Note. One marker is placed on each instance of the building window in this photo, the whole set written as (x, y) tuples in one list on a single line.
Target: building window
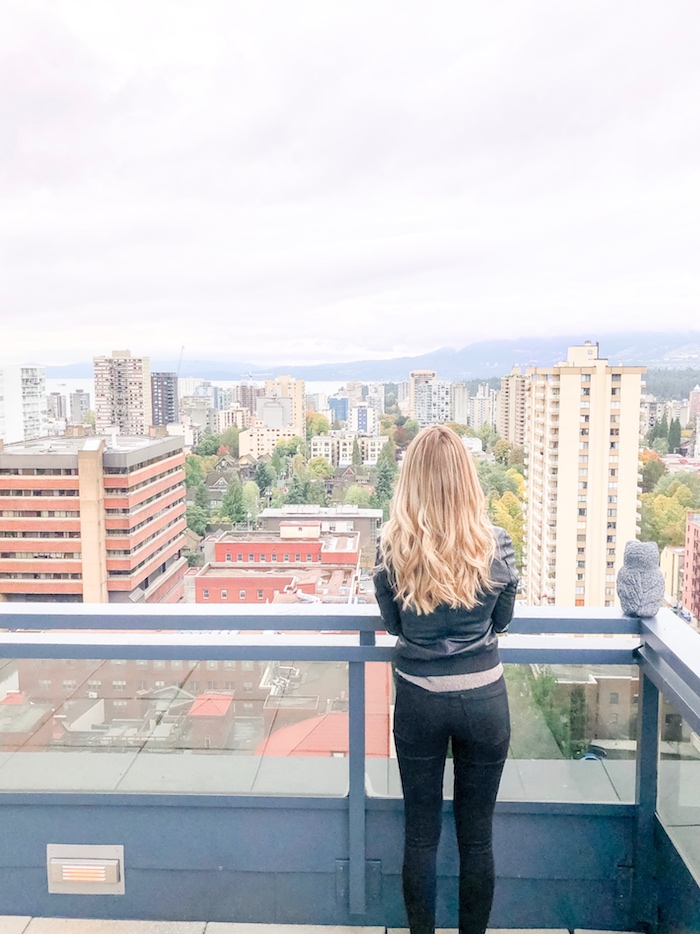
[(582, 512), (251, 557), (44, 683), (239, 557), (143, 685), (297, 557), (273, 556), (228, 557), (142, 663), (159, 684), (229, 685), (205, 595), (212, 666), (229, 663), (285, 558), (194, 686), (308, 557), (212, 685), (241, 594), (119, 685), (248, 687), (224, 594), (119, 703), (159, 664), (248, 666), (176, 664), (260, 595)]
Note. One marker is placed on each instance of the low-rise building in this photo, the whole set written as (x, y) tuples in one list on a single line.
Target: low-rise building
[(364, 520)]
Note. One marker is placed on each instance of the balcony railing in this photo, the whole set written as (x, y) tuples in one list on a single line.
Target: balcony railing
[(592, 830)]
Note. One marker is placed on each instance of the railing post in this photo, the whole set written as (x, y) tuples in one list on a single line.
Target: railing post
[(644, 896), (356, 793)]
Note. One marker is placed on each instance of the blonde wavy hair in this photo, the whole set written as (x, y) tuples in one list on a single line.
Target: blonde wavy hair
[(439, 543)]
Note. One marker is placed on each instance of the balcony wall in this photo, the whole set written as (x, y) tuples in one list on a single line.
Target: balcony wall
[(248, 837)]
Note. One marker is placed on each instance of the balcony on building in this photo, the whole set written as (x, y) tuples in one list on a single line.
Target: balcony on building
[(242, 757)]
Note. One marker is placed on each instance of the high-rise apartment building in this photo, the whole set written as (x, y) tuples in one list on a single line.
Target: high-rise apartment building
[(365, 419), (86, 521), (691, 564), (693, 404), (582, 452), (56, 405), (123, 393), (79, 406), (164, 398), (460, 403), (512, 404), (483, 407), (430, 398), (284, 387), (417, 380), (23, 412)]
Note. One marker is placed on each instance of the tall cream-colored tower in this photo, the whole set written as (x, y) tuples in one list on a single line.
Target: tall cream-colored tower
[(285, 387), (512, 403), (582, 471)]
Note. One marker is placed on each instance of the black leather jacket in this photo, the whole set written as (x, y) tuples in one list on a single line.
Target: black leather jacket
[(452, 641)]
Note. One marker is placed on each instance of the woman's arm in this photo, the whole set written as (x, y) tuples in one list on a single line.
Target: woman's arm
[(385, 599), (503, 610)]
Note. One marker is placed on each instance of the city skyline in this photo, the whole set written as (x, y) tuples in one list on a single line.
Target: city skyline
[(444, 176)]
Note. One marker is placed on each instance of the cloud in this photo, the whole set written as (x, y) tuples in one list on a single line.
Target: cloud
[(343, 180)]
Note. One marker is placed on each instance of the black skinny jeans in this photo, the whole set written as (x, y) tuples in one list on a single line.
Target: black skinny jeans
[(478, 723)]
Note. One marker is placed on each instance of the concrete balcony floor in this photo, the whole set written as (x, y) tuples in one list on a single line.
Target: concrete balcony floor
[(25, 925)]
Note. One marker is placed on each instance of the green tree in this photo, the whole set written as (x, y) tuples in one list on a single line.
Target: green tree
[(660, 446), (89, 418), (201, 497), (652, 471), (209, 444), (316, 424), (387, 455), (357, 495), (232, 507), (507, 512), (264, 476), (517, 458), (384, 485), (494, 479), (251, 500), (674, 435), (193, 471), (489, 436), (229, 439), (320, 468), (502, 451), (356, 453), (197, 519)]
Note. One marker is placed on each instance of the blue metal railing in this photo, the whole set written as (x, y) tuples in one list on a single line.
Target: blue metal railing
[(667, 652)]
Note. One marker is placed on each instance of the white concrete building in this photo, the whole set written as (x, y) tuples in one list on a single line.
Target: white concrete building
[(23, 409), (460, 403), (364, 419), (483, 407), (582, 474), (337, 447)]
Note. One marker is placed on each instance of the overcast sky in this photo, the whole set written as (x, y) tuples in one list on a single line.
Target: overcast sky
[(314, 181)]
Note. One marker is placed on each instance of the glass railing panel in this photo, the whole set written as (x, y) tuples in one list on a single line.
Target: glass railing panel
[(679, 784), (573, 734), (209, 727)]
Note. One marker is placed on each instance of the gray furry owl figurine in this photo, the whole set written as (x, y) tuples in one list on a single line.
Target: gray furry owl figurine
[(640, 583)]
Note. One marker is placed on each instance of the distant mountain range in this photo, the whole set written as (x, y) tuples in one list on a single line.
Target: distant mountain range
[(481, 359)]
